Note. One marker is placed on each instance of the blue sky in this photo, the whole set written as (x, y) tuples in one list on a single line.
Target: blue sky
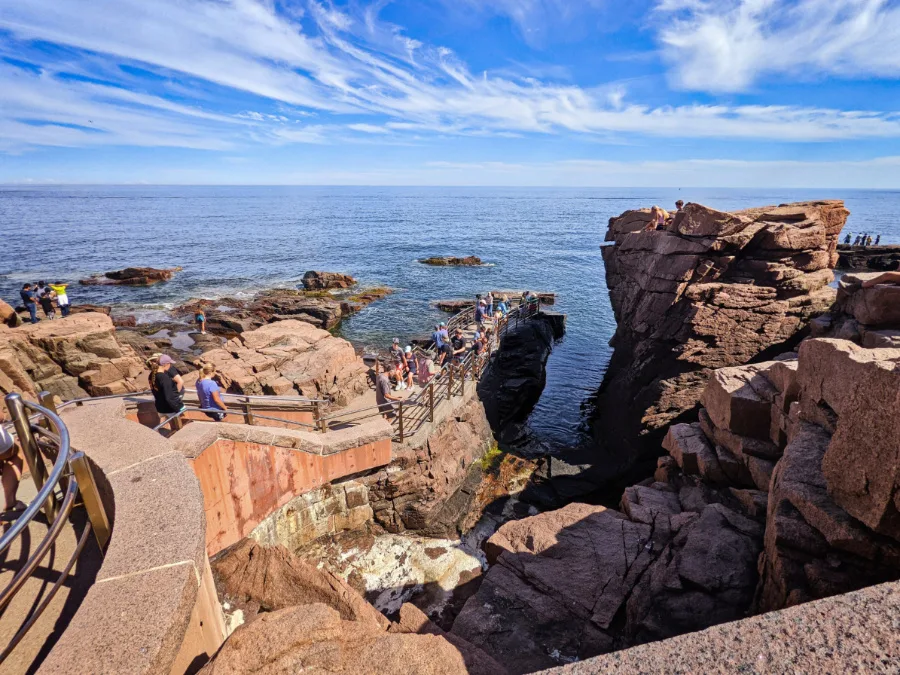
[(768, 93)]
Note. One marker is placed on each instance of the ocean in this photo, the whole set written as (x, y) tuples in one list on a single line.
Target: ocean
[(238, 240)]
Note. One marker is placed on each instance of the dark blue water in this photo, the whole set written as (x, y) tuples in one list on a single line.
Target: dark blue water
[(237, 240)]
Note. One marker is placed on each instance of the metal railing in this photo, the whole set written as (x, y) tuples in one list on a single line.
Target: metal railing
[(42, 441), (409, 415)]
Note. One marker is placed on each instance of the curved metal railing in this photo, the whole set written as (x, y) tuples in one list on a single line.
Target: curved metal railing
[(42, 441)]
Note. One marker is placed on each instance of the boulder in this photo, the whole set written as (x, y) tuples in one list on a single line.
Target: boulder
[(132, 276), (321, 281), (272, 578), (715, 290), (7, 314), (314, 638)]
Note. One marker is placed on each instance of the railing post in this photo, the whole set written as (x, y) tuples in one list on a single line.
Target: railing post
[(400, 420), (431, 401), (30, 449), (450, 380), (321, 425), (90, 496), (248, 414), (176, 423), (48, 401)]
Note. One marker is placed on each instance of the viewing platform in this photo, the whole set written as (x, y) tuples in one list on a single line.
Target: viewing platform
[(138, 504)]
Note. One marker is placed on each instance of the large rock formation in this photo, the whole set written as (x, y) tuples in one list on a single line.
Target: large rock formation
[(713, 290), (584, 580), (289, 358), (71, 358), (312, 620), (868, 257), (429, 487)]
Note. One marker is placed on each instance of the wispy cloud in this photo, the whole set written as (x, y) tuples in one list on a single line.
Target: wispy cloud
[(727, 45), (336, 64)]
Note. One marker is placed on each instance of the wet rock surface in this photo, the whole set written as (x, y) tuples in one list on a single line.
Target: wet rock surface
[(713, 290), (863, 258), (132, 276)]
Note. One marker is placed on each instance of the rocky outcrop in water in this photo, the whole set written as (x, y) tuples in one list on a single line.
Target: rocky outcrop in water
[(712, 290), (232, 316), (449, 261), (132, 276), (323, 281), (882, 258), (71, 358)]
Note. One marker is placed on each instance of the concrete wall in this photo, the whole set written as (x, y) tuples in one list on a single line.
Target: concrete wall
[(248, 473), (153, 607)]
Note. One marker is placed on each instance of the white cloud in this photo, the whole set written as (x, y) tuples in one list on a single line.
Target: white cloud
[(334, 63), (728, 45)]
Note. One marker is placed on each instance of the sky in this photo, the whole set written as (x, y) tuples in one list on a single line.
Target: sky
[(608, 93)]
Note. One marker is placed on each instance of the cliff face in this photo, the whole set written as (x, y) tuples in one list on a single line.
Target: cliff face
[(713, 290)]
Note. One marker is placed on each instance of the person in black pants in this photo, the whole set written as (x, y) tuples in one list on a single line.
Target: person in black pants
[(29, 297)]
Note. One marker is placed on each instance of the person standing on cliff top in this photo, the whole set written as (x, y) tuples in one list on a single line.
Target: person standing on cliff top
[(46, 297), (878, 240)]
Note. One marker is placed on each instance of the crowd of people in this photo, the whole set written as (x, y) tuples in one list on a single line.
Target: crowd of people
[(660, 218), (50, 297), (408, 367), (863, 240)]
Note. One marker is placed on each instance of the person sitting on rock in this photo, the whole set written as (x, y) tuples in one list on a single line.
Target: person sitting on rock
[(883, 278)]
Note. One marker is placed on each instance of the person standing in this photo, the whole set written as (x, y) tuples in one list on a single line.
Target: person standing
[(29, 297), (399, 360), (489, 300), (868, 240), (438, 337), (208, 393), (46, 299), (166, 384), (848, 238), (878, 240), (62, 298), (383, 395), (11, 471), (200, 318)]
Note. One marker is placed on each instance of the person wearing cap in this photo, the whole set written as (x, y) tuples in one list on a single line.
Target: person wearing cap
[(411, 366), (399, 360), (166, 384), (11, 467)]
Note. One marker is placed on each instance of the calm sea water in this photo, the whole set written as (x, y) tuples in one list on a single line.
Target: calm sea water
[(237, 240)]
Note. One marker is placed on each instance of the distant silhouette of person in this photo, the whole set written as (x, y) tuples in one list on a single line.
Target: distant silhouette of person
[(878, 240), (847, 238), (869, 240), (856, 241), (679, 206), (29, 298)]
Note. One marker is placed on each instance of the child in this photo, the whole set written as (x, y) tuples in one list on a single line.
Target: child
[(200, 318)]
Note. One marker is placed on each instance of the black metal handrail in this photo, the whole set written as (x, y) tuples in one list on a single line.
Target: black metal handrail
[(71, 472)]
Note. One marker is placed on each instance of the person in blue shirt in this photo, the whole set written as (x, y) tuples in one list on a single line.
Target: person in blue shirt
[(437, 336), (208, 393), (445, 334), (29, 297)]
